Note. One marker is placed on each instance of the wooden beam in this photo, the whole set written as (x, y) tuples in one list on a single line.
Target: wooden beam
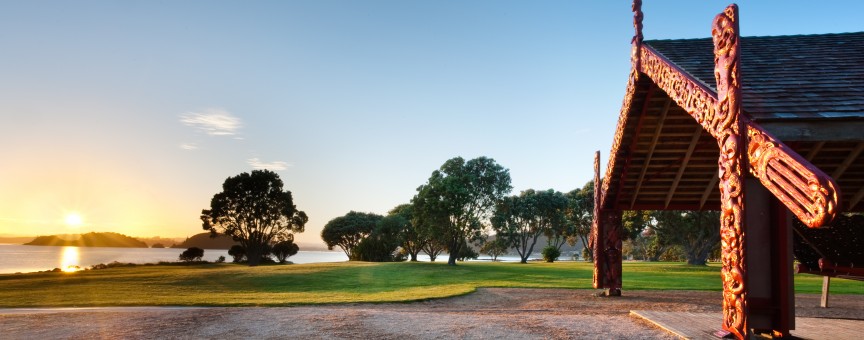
[(693, 141), (708, 190), (633, 143), (651, 150), (815, 150), (857, 198), (817, 130), (848, 161)]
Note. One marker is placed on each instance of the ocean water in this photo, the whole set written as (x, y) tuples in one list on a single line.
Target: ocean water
[(19, 258), (22, 259)]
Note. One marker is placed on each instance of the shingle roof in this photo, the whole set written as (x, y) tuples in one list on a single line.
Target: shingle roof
[(786, 77)]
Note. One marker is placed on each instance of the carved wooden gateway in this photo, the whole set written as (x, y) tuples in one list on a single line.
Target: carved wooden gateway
[(682, 145)]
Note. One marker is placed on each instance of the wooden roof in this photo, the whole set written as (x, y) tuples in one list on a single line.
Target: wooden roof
[(806, 90)]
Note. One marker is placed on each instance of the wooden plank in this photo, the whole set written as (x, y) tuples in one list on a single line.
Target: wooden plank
[(708, 190), (857, 198), (689, 325), (651, 150), (815, 151), (633, 144), (693, 141), (816, 130), (848, 161)]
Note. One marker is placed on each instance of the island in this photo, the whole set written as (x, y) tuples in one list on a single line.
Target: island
[(92, 239)]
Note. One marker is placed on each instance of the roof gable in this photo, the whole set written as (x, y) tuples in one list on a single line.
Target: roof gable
[(785, 77)]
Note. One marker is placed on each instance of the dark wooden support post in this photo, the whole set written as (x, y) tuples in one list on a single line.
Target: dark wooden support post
[(768, 239), (605, 240), (826, 284)]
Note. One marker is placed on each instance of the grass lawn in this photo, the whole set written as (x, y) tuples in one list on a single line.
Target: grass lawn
[(276, 285)]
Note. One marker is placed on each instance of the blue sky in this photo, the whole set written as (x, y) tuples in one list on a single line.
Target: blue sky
[(133, 113)]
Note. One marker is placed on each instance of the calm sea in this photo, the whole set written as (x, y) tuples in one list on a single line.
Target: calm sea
[(23, 259), (18, 258)]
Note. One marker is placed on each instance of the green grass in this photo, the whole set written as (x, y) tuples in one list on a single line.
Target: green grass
[(237, 285)]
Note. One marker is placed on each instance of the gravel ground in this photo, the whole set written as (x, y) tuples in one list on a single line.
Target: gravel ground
[(491, 313)]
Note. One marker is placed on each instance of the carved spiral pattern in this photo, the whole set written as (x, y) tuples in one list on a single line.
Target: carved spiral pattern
[(619, 133), (726, 125), (807, 191)]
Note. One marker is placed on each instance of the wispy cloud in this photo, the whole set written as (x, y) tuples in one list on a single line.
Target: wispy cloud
[(259, 165), (189, 146), (214, 122)]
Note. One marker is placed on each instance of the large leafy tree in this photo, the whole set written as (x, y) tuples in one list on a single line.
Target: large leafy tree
[(522, 219), (255, 211), (411, 237), (580, 214), (458, 198), (697, 233), (347, 231)]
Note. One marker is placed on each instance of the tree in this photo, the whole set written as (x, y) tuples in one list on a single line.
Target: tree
[(382, 243), (347, 231), (254, 210), (412, 240), (285, 249), (458, 198), (550, 253), (238, 253), (192, 254), (495, 248), (697, 233), (580, 214), (433, 248), (522, 219), (157, 245)]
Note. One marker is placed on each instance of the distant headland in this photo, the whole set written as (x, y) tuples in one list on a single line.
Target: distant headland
[(93, 239)]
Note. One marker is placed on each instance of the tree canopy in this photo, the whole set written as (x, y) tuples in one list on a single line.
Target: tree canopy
[(254, 210), (347, 231), (696, 232), (458, 198), (412, 238), (521, 219)]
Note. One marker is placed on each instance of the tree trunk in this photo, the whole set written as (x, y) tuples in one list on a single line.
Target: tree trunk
[(253, 255), (455, 246), (413, 256)]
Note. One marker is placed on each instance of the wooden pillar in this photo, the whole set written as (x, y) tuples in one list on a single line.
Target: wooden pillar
[(727, 127), (605, 240), (768, 239), (826, 283)]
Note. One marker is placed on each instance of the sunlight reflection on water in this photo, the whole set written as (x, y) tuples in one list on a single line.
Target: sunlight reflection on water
[(70, 259)]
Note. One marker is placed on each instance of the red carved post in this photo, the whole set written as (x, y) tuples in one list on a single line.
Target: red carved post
[(595, 238), (636, 53), (728, 128), (605, 240)]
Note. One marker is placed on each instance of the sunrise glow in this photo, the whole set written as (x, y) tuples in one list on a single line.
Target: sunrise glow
[(70, 259), (73, 220)]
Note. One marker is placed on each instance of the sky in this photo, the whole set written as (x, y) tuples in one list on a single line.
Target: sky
[(127, 116)]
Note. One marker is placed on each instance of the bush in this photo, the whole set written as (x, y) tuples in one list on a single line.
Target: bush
[(238, 253), (192, 254), (466, 252), (550, 253), (221, 259), (377, 248), (285, 249)]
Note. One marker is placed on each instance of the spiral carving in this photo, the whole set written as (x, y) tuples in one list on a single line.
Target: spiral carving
[(808, 192)]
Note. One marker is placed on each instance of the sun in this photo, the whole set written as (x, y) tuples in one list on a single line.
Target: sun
[(74, 220)]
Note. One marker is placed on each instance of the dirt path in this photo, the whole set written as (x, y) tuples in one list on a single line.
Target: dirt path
[(492, 313)]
